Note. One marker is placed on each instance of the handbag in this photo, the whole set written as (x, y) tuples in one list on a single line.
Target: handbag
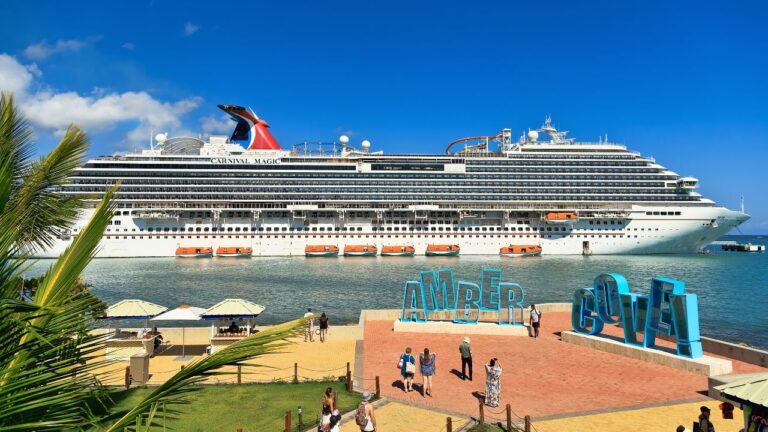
[(400, 363), (410, 368)]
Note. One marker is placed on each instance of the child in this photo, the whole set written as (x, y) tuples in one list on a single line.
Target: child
[(335, 420)]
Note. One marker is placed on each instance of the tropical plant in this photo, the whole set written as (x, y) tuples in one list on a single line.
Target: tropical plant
[(50, 357)]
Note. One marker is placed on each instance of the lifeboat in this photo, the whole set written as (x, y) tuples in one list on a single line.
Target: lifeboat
[(194, 252), (234, 252), (360, 250), (321, 251), (520, 250), (405, 250), (442, 250), (561, 218)]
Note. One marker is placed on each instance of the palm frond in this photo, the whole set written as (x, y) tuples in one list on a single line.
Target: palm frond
[(171, 391), (48, 357), (15, 145), (47, 212)]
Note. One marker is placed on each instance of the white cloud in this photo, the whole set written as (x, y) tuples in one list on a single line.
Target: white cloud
[(190, 29), (16, 77), (43, 49), (130, 46), (216, 125), (100, 111)]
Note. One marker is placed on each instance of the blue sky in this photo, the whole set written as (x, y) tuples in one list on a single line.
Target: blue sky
[(684, 82)]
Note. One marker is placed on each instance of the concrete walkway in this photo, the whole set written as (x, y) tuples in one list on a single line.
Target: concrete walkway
[(662, 418), (395, 417)]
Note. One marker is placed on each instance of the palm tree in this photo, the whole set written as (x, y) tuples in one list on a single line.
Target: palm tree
[(49, 357)]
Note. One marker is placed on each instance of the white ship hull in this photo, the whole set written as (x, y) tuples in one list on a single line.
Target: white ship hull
[(639, 234)]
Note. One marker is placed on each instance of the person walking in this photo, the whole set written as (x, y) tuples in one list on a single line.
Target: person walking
[(704, 424), (323, 320), (492, 383), (309, 326), (365, 417), (407, 369), (328, 406), (535, 320), (427, 366), (466, 358)]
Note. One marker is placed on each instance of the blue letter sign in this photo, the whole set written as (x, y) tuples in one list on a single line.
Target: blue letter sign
[(667, 310), (435, 291)]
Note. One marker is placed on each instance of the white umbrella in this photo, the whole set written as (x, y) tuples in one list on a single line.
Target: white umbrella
[(181, 313), (232, 309), (134, 309)]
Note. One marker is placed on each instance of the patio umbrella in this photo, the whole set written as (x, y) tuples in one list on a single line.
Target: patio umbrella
[(133, 309), (233, 309), (751, 390), (181, 313), (229, 308)]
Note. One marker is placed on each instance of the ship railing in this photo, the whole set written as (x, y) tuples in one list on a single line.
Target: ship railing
[(403, 206)]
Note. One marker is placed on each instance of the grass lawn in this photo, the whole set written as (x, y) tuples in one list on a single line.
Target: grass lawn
[(252, 407), (489, 428)]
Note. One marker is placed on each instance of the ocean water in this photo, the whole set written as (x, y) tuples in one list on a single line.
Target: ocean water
[(732, 286)]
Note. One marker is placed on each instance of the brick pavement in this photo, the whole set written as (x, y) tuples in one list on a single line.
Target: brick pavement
[(542, 377)]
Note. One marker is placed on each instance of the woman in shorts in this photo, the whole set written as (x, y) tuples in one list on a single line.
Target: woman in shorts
[(407, 371)]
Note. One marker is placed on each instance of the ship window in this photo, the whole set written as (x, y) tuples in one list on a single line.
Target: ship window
[(229, 229), (677, 213), (648, 213), (236, 229), (205, 229)]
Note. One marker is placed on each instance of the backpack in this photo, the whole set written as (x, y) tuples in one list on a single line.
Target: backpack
[(360, 417)]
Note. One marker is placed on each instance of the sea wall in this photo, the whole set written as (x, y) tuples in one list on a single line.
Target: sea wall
[(730, 350)]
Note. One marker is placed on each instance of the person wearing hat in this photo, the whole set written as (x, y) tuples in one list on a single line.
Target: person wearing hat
[(704, 425), (466, 358), (365, 417)]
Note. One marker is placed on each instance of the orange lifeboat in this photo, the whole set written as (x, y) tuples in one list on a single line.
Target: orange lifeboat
[(321, 251), (520, 250), (234, 252), (360, 250), (442, 250), (194, 252), (405, 250), (561, 217)]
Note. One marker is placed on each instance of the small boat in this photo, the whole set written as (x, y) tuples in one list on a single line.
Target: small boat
[(442, 250), (360, 250), (194, 252), (234, 252), (561, 218), (405, 250), (520, 250), (321, 251)]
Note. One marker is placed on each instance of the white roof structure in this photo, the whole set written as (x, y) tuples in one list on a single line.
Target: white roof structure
[(229, 308), (181, 313), (134, 309), (753, 390)]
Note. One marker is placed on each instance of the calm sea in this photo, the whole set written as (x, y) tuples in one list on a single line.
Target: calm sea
[(732, 286)]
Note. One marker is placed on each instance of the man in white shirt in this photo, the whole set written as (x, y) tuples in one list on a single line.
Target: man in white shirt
[(535, 320), (309, 328)]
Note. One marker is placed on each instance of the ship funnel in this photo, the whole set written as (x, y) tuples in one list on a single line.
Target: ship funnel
[(250, 128)]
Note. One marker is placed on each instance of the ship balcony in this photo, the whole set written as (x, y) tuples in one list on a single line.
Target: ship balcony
[(688, 183)]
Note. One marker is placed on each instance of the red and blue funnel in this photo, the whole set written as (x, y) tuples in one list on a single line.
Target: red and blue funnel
[(250, 128)]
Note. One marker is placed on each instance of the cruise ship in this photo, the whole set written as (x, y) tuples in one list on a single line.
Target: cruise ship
[(245, 195)]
